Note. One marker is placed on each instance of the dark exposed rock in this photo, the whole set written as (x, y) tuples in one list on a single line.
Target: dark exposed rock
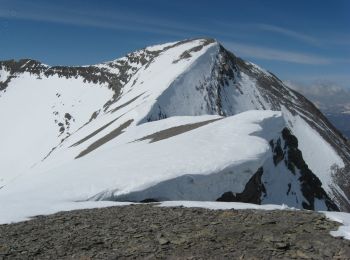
[(67, 116), (148, 232), (187, 54), (150, 200), (61, 129), (311, 186), (278, 154), (228, 196), (252, 192), (88, 73)]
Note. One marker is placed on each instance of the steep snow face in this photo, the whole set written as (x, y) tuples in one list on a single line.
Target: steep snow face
[(186, 95), (287, 178), (320, 162), (218, 83), (154, 80), (204, 88)]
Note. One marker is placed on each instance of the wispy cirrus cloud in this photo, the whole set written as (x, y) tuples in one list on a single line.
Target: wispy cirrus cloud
[(122, 20), (333, 38), (117, 21), (253, 51), (328, 38), (290, 33)]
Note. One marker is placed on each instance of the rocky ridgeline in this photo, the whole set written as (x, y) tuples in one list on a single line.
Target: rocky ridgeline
[(149, 232)]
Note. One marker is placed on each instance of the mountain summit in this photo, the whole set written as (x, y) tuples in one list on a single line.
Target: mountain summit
[(186, 120)]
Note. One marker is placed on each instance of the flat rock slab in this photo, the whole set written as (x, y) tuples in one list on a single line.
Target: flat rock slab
[(150, 232)]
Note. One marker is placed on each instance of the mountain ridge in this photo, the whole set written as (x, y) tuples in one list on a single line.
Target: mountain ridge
[(103, 109)]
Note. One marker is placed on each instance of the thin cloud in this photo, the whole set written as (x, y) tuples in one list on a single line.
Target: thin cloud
[(274, 54), (328, 38), (342, 79), (125, 21), (84, 20), (290, 33), (116, 20), (338, 39)]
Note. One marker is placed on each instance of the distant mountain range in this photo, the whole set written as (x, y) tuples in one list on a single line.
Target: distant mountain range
[(332, 100), (185, 120), (341, 121)]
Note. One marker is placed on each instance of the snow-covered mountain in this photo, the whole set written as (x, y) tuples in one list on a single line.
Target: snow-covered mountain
[(179, 121)]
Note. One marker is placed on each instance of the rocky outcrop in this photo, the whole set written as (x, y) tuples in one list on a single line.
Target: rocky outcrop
[(252, 193), (311, 186), (285, 150)]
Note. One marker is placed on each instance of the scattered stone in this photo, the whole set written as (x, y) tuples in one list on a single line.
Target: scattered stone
[(145, 231), (163, 241), (282, 245)]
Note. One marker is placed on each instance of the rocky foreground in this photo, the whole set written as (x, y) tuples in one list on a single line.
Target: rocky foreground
[(149, 232)]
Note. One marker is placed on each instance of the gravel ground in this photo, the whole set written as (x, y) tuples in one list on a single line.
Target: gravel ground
[(149, 232)]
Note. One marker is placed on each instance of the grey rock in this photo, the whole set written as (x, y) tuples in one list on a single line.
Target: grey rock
[(149, 232)]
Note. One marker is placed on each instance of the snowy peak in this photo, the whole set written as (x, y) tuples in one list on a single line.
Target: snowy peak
[(182, 120), (67, 104)]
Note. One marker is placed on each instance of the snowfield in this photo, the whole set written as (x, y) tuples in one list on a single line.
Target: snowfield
[(344, 219), (31, 112), (228, 152), (178, 121)]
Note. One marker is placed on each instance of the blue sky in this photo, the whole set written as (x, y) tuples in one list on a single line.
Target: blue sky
[(298, 40)]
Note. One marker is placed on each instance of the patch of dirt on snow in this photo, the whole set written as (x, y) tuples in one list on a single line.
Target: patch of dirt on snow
[(108, 137), (173, 131)]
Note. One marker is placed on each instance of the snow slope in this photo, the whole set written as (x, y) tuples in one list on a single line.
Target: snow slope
[(320, 162), (31, 114), (131, 169), (179, 121)]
